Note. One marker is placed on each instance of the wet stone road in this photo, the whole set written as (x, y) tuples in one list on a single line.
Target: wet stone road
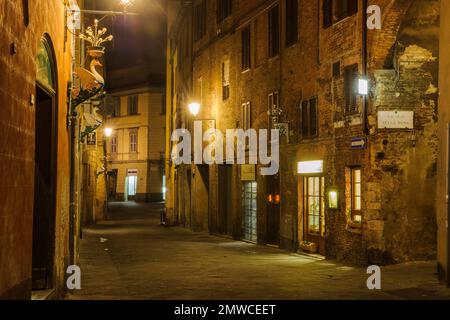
[(130, 256)]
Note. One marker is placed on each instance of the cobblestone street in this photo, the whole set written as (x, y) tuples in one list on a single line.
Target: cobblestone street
[(131, 256)]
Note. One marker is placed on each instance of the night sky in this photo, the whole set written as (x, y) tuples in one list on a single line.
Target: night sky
[(137, 54)]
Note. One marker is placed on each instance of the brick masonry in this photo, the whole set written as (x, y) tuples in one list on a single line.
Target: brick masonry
[(17, 128), (399, 166)]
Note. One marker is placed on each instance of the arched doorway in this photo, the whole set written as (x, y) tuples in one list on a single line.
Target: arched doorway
[(45, 168)]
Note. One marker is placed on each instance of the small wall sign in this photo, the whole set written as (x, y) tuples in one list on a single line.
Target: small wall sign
[(395, 119), (92, 139), (359, 143)]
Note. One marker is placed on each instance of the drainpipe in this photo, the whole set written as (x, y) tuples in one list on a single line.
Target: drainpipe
[(364, 65), (73, 143)]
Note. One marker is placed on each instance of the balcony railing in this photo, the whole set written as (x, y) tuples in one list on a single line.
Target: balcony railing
[(130, 156)]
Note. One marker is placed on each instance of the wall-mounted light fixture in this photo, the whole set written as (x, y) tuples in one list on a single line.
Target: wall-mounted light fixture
[(363, 86), (194, 108), (108, 132), (333, 199)]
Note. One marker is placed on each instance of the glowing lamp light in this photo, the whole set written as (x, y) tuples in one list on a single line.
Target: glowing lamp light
[(194, 108), (126, 3), (363, 87), (108, 132), (277, 199), (333, 199), (310, 167)]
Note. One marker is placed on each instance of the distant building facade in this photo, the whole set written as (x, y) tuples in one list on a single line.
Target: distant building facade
[(136, 148), (357, 172)]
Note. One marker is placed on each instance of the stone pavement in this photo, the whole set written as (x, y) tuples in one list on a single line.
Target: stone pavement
[(131, 256)]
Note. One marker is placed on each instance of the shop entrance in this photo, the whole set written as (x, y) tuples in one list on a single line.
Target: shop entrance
[(313, 213)]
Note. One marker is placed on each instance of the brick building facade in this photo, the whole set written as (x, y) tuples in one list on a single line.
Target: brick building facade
[(35, 62), (295, 65), (135, 150)]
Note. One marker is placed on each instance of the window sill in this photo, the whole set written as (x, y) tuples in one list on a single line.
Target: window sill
[(292, 45), (337, 21), (354, 227)]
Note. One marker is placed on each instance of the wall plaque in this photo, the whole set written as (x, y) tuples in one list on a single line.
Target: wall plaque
[(395, 119)]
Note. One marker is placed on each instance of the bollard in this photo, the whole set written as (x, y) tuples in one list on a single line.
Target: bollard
[(163, 217)]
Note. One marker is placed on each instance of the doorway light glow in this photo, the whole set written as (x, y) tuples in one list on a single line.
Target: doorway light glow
[(310, 167)]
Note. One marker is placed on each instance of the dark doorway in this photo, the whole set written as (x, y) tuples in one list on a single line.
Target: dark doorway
[(201, 202), (187, 199), (225, 200), (273, 210), (112, 184), (44, 190)]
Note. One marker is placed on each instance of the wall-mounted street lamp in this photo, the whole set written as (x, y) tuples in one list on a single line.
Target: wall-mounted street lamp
[(125, 4), (194, 108), (363, 86), (333, 199), (108, 132)]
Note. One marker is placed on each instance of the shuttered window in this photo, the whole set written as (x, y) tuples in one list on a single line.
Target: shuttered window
[(200, 20), (291, 22), (226, 79), (224, 9), (246, 48), (327, 13), (336, 10), (309, 118), (350, 87), (274, 32)]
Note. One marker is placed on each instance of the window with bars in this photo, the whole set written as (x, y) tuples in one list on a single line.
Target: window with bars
[(133, 105), (200, 20), (133, 141), (246, 48), (226, 79), (309, 119), (336, 10), (224, 9), (274, 32), (291, 22), (351, 75)]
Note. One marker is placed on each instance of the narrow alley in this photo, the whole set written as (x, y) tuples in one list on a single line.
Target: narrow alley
[(130, 256)]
